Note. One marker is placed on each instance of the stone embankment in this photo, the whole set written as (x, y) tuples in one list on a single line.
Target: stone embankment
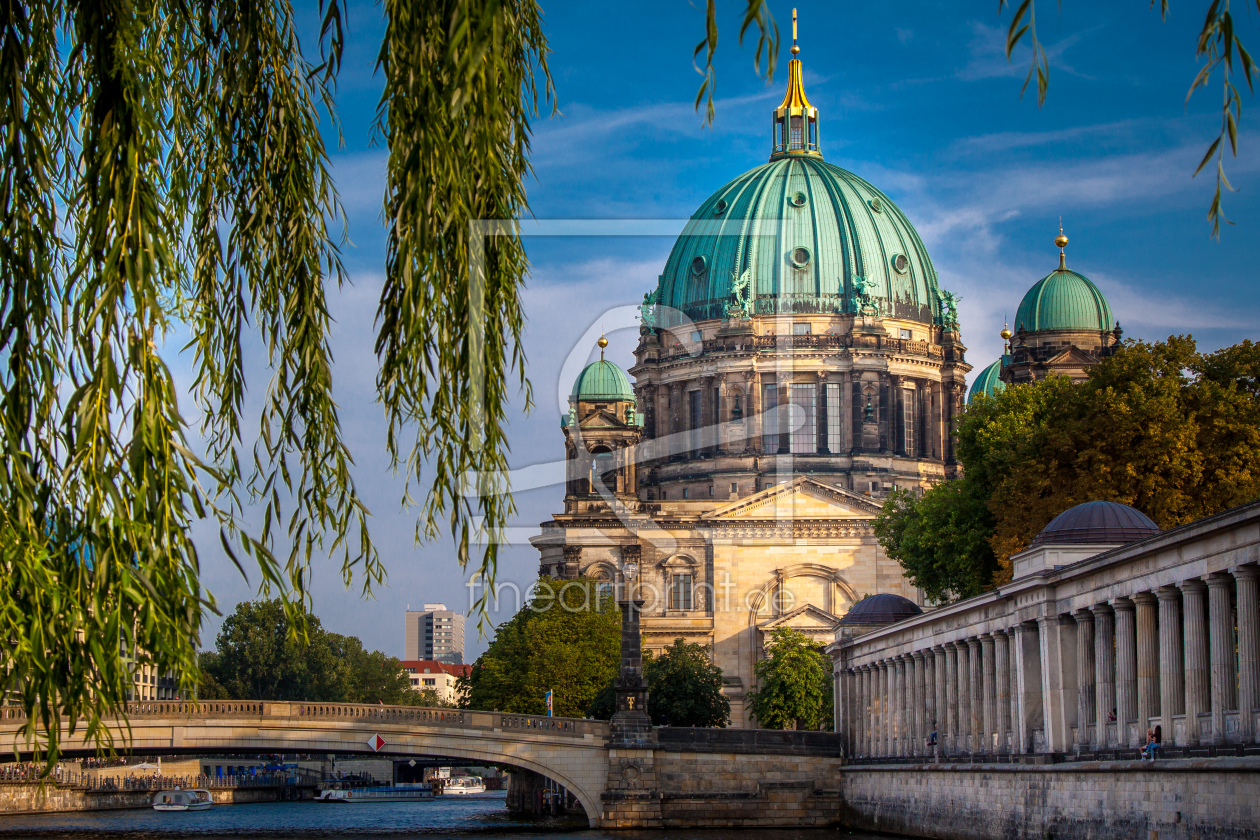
[(1180, 799), (52, 797)]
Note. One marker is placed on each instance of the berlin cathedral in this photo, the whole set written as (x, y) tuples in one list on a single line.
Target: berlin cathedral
[(797, 361)]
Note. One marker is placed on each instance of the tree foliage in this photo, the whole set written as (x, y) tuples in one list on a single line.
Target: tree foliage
[(794, 688), (566, 639), (164, 173), (1162, 427), (257, 656), (684, 688)]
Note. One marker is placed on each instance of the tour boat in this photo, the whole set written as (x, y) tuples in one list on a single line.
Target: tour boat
[(367, 795), (463, 785), (193, 799)]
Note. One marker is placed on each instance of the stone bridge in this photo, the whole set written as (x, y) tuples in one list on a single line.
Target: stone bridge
[(669, 777)]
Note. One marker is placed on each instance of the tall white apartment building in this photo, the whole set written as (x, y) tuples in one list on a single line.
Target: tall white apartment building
[(435, 633)]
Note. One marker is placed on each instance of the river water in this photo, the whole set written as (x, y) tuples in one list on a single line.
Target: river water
[(482, 817)]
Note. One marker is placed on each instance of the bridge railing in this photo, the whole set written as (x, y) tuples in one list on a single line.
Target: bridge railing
[(208, 710)]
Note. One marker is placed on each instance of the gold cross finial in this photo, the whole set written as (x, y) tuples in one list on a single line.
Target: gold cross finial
[(795, 49)]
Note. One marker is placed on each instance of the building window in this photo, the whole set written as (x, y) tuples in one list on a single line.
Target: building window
[(770, 420), (431, 682), (833, 418), (685, 492), (800, 329), (603, 591), (907, 402), (734, 488), (804, 419), (905, 335), (680, 592)]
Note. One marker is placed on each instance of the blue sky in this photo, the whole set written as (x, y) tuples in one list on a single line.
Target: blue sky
[(916, 97)]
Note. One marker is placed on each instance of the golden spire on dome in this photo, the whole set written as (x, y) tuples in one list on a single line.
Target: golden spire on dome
[(795, 120), (603, 342), (1061, 241), (1006, 331)]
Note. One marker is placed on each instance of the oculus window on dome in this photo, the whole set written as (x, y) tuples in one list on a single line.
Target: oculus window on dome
[(800, 256), (720, 207), (900, 263), (876, 205), (798, 199), (699, 265)]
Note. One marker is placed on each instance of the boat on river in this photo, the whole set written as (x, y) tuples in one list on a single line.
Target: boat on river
[(463, 786), (344, 794), (192, 799)]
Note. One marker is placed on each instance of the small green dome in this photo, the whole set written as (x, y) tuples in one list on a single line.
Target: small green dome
[(808, 237), (988, 382), (602, 380), (1064, 300)]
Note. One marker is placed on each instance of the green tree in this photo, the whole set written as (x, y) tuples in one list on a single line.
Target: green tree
[(259, 657), (793, 684), (1161, 427), (565, 639), (209, 688), (165, 172), (685, 687)]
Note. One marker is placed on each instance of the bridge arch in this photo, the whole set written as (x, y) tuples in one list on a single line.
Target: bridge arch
[(571, 751)]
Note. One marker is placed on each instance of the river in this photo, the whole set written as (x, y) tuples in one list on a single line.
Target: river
[(482, 817)]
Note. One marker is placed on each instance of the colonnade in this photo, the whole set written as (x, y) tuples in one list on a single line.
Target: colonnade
[(1184, 657)]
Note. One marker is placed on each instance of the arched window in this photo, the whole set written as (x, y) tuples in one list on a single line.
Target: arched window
[(604, 469)]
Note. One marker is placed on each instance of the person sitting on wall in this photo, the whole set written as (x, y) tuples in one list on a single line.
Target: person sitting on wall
[(1154, 743)]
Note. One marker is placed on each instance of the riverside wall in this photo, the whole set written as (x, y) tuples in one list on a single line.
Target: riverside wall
[(32, 798), (1191, 799)]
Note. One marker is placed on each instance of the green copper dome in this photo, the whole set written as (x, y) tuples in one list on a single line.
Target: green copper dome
[(1064, 300), (987, 382), (602, 381), (807, 237)]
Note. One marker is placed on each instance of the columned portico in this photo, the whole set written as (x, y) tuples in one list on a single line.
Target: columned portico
[(1084, 656)]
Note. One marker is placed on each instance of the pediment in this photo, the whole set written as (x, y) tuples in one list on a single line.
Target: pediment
[(602, 419), (1071, 356), (806, 618), (801, 498)]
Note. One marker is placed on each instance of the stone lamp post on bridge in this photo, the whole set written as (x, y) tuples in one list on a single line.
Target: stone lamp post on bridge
[(631, 725)]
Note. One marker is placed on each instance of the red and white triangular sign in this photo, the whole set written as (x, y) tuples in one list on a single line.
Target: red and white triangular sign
[(376, 742)]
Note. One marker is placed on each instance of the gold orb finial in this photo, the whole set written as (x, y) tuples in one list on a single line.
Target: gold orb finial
[(1006, 332), (1061, 241), (603, 342)]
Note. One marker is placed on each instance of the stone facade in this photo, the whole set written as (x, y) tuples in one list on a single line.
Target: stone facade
[(797, 554), (1173, 800)]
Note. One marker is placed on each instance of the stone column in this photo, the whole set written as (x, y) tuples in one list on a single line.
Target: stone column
[(977, 695), (1104, 671), (1195, 638), (1172, 682), (1221, 619), (918, 734), (1085, 675), (1247, 579), (965, 728), (890, 721), (1002, 687), (940, 710), (1011, 639), (1031, 714), (1057, 635), (988, 721), (1147, 662), (1126, 669), (861, 714), (899, 706), (951, 699)]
